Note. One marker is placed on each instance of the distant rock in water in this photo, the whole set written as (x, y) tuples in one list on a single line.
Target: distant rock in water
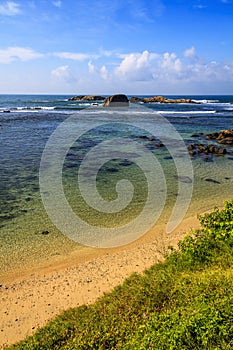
[(121, 100), (116, 101), (160, 99), (136, 99), (87, 98)]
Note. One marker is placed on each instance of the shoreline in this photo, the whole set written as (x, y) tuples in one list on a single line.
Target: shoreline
[(31, 296), (32, 299)]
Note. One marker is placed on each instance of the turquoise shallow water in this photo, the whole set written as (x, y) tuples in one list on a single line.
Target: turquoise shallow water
[(28, 236)]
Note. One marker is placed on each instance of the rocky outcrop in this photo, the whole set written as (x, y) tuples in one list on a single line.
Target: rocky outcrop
[(124, 101), (136, 99), (87, 98), (159, 99), (76, 98), (206, 149), (223, 137), (116, 101)]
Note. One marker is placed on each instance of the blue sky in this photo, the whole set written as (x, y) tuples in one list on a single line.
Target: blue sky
[(126, 46)]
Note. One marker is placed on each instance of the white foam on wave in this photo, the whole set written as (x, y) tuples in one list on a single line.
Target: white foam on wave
[(187, 112), (26, 109), (35, 108), (206, 101), (215, 103), (119, 111)]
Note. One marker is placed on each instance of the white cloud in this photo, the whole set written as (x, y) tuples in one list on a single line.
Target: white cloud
[(212, 71), (72, 56), (190, 52), (200, 7), (147, 66), (104, 72), (63, 73), (57, 3), (136, 66), (169, 68), (170, 63), (18, 53), (10, 8), (91, 67), (106, 53), (143, 71)]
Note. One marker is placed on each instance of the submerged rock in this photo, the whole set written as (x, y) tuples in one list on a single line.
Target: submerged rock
[(212, 180), (159, 144), (206, 149), (185, 179), (45, 232), (197, 135)]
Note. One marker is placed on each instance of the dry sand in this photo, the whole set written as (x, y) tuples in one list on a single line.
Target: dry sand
[(31, 298)]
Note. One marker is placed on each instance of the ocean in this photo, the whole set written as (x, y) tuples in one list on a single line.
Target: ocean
[(76, 174)]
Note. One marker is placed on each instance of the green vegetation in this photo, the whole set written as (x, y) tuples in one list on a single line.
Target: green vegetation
[(184, 303)]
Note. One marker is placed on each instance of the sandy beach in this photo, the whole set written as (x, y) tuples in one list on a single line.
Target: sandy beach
[(31, 298)]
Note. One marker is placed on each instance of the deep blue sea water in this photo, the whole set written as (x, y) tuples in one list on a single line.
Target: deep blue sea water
[(28, 121)]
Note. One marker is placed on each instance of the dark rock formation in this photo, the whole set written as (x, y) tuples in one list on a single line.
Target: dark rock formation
[(123, 99), (212, 136), (226, 141), (45, 232), (116, 101), (159, 144), (135, 99), (223, 137), (197, 135), (76, 98), (87, 98), (159, 99), (206, 149)]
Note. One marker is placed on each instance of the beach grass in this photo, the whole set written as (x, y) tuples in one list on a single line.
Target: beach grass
[(185, 302)]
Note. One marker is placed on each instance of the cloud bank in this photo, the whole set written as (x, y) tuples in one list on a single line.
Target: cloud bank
[(110, 69)]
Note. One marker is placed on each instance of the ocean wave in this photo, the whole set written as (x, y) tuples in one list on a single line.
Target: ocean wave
[(215, 103), (129, 111), (188, 112), (30, 108), (228, 109), (33, 108), (206, 101)]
